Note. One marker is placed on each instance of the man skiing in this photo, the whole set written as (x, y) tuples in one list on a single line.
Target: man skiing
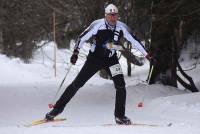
[(106, 34)]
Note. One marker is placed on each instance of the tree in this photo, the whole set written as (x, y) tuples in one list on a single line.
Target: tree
[(172, 24), (23, 25)]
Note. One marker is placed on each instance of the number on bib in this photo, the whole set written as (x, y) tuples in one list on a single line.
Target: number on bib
[(115, 70)]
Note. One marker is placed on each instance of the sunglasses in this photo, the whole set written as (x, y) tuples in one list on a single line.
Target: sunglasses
[(112, 14)]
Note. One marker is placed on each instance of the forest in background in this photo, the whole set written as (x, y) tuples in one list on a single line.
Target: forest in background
[(164, 25)]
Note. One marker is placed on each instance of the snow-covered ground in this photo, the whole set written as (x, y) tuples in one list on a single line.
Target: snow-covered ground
[(27, 89)]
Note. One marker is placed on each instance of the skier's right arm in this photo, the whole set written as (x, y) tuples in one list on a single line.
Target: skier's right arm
[(86, 35)]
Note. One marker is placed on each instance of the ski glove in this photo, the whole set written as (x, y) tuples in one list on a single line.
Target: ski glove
[(74, 57), (151, 59)]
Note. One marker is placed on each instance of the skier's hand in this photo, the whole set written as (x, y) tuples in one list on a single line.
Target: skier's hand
[(151, 59), (74, 57)]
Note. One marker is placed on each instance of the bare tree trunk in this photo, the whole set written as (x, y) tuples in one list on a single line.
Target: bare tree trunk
[(161, 49), (128, 68), (128, 62), (1, 40), (190, 86)]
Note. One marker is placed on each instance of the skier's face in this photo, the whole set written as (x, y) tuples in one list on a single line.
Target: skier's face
[(112, 18)]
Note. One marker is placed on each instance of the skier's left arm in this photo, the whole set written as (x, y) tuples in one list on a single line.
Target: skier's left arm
[(134, 42)]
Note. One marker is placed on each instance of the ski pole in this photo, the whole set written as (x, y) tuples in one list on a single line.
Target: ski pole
[(51, 105), (150, 73)]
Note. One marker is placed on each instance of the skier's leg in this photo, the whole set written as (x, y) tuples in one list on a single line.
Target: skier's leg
[(87, 71), (120, 101)]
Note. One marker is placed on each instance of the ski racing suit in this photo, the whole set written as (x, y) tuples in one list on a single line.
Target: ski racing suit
[(102, 55)]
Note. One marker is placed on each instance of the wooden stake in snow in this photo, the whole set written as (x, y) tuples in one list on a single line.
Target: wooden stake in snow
[(54, 38)]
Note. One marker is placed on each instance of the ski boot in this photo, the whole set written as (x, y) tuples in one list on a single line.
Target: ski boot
[(123, 120), (52, 114)]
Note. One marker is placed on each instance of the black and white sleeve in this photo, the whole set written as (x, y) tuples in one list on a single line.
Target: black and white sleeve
[(86, 34), (135, 43)]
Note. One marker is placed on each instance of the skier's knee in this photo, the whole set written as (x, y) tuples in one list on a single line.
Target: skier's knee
[(77, 85)]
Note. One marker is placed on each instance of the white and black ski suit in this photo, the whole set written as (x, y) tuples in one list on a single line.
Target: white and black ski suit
[(102, 56)]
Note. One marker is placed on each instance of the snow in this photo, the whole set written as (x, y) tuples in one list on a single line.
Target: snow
[(27, 89)]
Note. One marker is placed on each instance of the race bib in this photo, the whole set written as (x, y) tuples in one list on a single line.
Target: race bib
[(115, 70)]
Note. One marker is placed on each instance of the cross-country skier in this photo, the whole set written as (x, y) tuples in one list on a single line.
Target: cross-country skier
[(106, 34)]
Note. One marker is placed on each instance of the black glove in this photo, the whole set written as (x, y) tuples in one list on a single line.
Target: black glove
[(151, 59), (74, 57)]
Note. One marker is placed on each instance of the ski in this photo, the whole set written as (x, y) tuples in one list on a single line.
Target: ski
[(118, 125), (140, 124), (43, 121)]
